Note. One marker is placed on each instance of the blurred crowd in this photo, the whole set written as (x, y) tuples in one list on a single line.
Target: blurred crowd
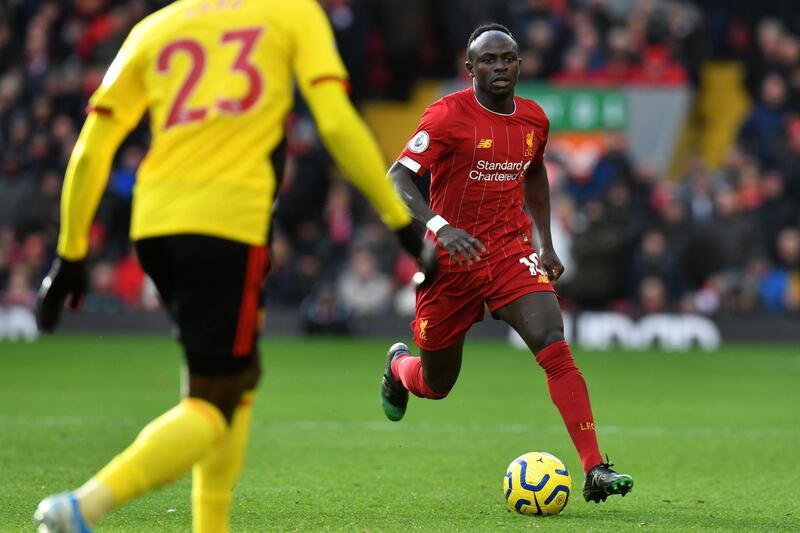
[(711, 242)]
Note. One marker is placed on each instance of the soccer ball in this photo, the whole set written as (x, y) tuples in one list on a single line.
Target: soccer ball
[(537, 483)]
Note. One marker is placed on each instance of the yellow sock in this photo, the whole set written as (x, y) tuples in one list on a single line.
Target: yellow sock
[(216, 474), (166, 448)]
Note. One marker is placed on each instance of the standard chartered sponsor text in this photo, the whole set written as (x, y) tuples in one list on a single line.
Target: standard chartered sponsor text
[(513, 169)]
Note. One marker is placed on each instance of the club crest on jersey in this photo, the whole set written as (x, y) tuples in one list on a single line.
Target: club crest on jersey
[(419, 142), (423, 326), (529, 144)]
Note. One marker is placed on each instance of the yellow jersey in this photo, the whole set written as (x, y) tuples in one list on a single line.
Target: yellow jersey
[(216, 77)]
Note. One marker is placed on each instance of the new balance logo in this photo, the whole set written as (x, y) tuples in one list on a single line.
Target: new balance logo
[(485, 143)]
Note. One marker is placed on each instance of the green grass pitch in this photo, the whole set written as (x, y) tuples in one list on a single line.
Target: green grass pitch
[(712, 439)]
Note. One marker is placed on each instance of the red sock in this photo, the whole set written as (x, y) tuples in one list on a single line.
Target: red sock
[(408, 370), (569, 394)]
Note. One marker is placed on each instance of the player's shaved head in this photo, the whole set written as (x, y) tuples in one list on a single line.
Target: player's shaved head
[(493, 62), (485, 31)]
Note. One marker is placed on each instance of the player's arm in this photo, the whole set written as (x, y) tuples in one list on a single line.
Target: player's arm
[(84, 183), (537, 197), (85, 180), (356, 153), (459, 244), (115, 108), (322, 78)]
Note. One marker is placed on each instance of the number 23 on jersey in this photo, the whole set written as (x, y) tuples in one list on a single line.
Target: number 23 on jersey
[(179, 111)]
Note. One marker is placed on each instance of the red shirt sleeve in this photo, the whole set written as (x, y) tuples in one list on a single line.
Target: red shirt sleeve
[(430, 141)]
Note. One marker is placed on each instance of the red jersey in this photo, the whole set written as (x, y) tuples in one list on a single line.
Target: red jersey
[(478, 159)]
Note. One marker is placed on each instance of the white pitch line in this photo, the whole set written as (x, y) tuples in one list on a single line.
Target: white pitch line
[(472, 427), (418, 427)]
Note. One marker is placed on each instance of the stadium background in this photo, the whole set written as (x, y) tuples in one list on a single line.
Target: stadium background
[(674, 161)]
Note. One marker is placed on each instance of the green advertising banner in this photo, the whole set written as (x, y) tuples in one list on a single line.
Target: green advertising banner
[(579, 109)]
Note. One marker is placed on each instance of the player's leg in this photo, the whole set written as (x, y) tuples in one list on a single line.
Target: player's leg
[(216, 474), (236, 341), (537, 318), (169, 445), (222, 366), (164, 449), (445, 311), (431, 375)]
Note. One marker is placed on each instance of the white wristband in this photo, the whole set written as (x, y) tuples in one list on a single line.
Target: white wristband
[(436, 223)]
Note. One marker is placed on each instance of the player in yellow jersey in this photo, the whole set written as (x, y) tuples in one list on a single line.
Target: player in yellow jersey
[(216, 77)]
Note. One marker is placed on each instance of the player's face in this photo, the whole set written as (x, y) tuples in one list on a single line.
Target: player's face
[(494, 63)]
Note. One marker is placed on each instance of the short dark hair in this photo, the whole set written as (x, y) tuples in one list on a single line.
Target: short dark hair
[(483, 28)]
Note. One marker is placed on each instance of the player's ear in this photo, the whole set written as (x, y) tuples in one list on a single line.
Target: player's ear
[(468, 64)]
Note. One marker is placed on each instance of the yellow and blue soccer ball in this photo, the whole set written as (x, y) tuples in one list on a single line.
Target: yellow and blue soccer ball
[(537, 483)]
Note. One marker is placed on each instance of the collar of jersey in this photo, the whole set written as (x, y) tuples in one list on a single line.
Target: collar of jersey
[(475, 97)]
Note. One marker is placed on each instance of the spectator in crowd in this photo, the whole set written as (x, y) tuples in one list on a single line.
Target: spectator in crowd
[(101, 298), (283, 283), (362, 287), (788, 160), (760, 131), (655, 261), (115, 207), (323, 313), (734, 238), (764, 57), (698, 193), (652, 296), (16, 186), (776, 212), (372, 236), (129, 280), (596, 245), (613, 165), (18, 292), (339, 218), (780, 288)]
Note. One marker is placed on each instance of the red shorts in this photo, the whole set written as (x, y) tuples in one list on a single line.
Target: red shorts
[(448, 307)]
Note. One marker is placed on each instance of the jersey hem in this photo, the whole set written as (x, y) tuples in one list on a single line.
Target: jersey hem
[(198, 230)]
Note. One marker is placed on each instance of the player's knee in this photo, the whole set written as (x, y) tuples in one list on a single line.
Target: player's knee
[(251, 378), (552, 336), (541, 338), (439, 385), (224, 400), (224, 392)]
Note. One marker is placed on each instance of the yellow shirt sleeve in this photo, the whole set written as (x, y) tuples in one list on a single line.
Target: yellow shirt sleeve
[(85, 181), (114, 109), (355, 150), (315, 55), (344, 133), (122, 93)]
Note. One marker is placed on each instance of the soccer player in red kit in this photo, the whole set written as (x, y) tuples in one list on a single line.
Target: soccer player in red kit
[(484, 148)]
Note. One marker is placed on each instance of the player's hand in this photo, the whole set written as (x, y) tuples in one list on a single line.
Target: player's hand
[(410, 239), (422, 250), (461, 246), (428, 264), (551, 263), (66, 279)]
